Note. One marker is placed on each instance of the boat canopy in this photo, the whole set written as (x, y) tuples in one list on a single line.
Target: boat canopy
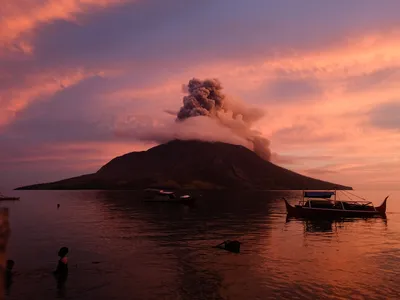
[(318, 194)]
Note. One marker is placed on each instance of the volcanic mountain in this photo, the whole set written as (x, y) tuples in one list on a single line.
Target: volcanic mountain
[(190, 165)]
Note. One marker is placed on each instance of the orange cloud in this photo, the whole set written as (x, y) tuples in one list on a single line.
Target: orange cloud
[(20, 17), (354, 56), (14, 100), (167, 88)]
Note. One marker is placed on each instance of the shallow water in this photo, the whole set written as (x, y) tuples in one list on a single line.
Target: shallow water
[(123, 248)]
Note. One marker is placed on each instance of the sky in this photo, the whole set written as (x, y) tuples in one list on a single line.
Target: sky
[(73, 74)]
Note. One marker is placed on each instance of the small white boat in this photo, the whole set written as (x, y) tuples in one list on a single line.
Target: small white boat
[(165, 196)]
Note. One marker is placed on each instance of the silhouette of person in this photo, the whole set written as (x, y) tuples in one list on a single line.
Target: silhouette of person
[(9, 275), (61, 272)]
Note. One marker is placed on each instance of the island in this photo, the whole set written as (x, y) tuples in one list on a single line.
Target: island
[(190, 165)]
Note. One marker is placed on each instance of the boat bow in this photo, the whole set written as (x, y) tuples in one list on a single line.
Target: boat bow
[(382, 207), (290, 209)]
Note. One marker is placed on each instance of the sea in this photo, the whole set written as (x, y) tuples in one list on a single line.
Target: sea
[(121, 247)]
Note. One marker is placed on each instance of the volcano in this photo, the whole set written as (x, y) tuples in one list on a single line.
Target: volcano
[(190, 165)]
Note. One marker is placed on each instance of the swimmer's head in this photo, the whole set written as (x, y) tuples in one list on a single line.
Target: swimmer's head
[(63, 251), (10, 264)]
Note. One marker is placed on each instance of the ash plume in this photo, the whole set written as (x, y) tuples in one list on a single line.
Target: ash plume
[(206, 115), (205, 98)]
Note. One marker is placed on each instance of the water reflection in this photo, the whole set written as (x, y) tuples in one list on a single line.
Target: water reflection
[(185, 235), (124, 248), (317, 225), (225, 214)]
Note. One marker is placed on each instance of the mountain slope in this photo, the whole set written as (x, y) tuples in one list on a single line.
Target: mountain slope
[(191, 165)]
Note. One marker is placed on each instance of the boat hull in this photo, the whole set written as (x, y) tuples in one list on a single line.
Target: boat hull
[(326, 213), (186, 200), (156, 195)]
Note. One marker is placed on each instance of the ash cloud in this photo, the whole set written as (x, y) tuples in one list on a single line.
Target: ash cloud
[(207, 115), (205, 99)]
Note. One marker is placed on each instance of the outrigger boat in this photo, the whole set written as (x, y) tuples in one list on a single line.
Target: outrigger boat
[(319, 204)]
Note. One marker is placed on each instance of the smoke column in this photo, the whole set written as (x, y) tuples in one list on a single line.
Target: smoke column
[(205, 98)]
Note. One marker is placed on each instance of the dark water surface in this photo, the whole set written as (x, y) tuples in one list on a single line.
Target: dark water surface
[(123, 248)]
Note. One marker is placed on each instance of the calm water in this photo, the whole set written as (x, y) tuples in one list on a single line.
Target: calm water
[(122, 248)]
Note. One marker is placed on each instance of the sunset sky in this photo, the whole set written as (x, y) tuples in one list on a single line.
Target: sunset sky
[(326, 73)]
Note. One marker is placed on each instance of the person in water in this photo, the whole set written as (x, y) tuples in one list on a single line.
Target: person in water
[(9, 275), (61, 273)]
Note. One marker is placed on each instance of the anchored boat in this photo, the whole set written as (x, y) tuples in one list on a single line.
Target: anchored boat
[(165, 196), (319, 204)]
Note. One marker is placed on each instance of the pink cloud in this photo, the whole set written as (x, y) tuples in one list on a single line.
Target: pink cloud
[(20, 17), (41, 86)]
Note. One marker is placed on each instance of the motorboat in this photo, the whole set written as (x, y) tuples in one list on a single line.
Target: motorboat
[(320, 204), (166, 196)]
